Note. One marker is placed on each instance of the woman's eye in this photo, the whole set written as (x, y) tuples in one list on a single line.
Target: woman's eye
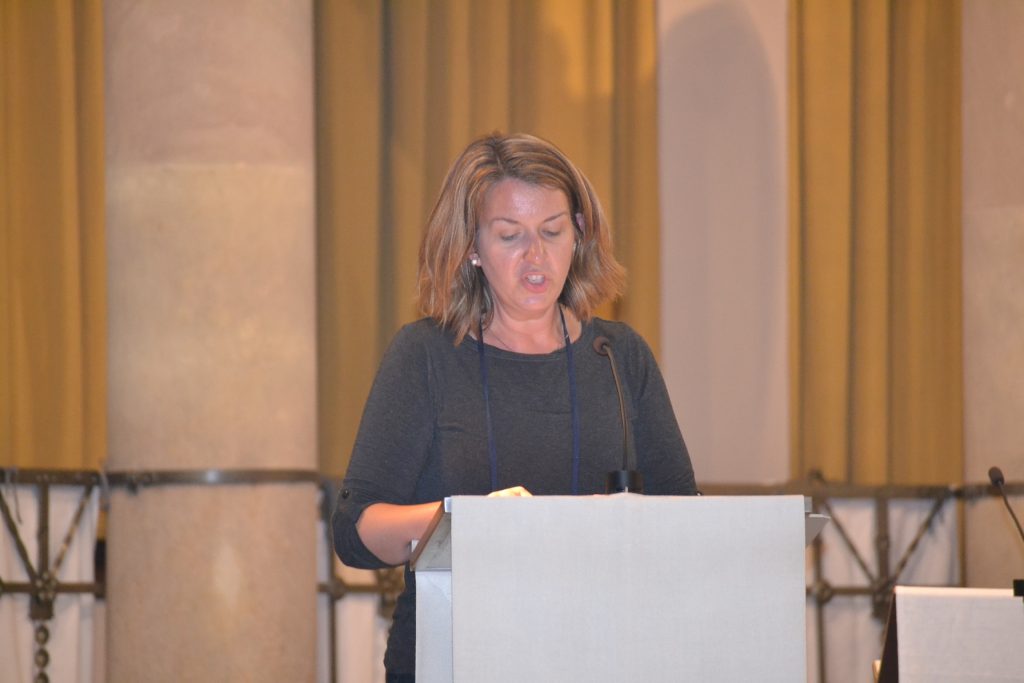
[(510, 237), (552, 233)]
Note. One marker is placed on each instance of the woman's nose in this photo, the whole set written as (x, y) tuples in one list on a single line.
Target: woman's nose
[(535, 249)]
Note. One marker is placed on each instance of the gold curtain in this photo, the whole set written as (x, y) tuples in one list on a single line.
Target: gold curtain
[(52, 277), (876, 314), (402, 88)]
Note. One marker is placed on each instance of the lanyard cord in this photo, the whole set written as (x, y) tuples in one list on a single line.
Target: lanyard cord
[(574, 406), (492, 450)]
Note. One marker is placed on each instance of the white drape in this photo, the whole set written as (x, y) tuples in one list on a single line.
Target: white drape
[(853, 637), (360, 631), (70, 646)]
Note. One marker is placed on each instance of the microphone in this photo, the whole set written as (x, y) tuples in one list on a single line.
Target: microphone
[(995, 475), (628, 478)]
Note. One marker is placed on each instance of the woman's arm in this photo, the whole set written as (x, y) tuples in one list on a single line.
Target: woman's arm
[(387, 529), (375, 514)]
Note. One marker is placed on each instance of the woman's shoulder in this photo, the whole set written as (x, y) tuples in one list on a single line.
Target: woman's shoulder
[(616, 331), (422, 335), (424, 328), (626, 341)]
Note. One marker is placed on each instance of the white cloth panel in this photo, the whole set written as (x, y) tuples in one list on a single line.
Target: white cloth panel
[(360, 632), (71, 630), (853, 637)]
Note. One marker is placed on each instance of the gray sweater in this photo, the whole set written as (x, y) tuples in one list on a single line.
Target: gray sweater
[(423, 434)]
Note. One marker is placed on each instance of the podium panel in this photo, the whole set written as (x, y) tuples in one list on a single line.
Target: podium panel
[(954, 635), (613, 588)]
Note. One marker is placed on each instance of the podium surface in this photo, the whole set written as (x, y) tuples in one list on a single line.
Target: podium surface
[(613, 588)]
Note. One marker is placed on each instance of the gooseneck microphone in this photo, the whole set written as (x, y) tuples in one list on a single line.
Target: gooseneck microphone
[(628, 478), (995, 475)]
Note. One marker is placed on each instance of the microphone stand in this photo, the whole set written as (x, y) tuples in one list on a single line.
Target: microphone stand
[(995, 475), (627, 479)]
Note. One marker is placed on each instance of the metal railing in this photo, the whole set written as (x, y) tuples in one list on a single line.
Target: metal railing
[(43, 587)]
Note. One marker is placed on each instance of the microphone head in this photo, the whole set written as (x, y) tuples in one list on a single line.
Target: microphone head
[(995, 475), (601, 345)]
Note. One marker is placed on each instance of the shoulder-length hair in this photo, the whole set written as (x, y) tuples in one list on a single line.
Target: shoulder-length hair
[(454, 292)]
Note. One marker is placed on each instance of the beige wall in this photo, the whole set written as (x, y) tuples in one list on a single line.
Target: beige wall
[(722, 127), (993, 206)]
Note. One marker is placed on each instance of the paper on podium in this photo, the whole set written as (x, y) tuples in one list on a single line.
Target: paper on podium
[(813, 524)]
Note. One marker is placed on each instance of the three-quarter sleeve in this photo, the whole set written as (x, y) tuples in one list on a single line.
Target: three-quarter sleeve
[(663, 458), (391, 445)]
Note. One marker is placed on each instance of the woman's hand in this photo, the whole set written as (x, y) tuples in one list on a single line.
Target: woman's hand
[(513, 492)]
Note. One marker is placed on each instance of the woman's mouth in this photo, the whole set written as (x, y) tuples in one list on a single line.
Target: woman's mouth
[(535, 281)]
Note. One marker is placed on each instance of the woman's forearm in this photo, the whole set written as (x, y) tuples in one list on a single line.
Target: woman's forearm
[(387, 529)]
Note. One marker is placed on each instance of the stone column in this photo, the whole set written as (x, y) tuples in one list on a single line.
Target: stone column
[(210, 245), (724, 233), (993, 274)]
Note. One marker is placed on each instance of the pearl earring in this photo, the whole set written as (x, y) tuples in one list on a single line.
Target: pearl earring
[(474, 259)]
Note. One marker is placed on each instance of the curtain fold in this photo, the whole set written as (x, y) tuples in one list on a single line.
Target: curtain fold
[(875, 253), (402, 88), (52, 276)]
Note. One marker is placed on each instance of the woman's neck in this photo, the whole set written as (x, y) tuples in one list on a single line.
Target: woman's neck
[(531, 336)]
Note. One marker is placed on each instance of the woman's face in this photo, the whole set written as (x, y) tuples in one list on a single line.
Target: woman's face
[(525, 243)]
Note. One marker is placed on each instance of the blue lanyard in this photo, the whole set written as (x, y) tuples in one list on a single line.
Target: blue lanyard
[(492, 450)]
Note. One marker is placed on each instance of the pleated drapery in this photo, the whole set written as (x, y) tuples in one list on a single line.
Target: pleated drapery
[(875, 246), (403, 86), (52, 272)]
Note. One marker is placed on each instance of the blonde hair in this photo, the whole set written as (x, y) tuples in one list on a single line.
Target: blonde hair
[(454, 292)]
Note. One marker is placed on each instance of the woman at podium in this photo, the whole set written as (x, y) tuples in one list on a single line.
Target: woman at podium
[(500, 388)]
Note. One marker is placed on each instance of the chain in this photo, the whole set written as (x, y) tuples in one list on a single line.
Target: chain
[(44, 585)]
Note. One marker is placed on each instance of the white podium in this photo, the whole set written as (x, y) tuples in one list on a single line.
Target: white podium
[(613, 588), (953, 635)]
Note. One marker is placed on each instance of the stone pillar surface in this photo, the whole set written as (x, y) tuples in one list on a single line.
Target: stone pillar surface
[(211, 239), (722, 88), (993, 273)]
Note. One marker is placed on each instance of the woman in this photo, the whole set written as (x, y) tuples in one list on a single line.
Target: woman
[(499, 390)]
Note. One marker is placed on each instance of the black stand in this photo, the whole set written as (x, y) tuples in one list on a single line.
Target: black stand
[(624, 481)]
